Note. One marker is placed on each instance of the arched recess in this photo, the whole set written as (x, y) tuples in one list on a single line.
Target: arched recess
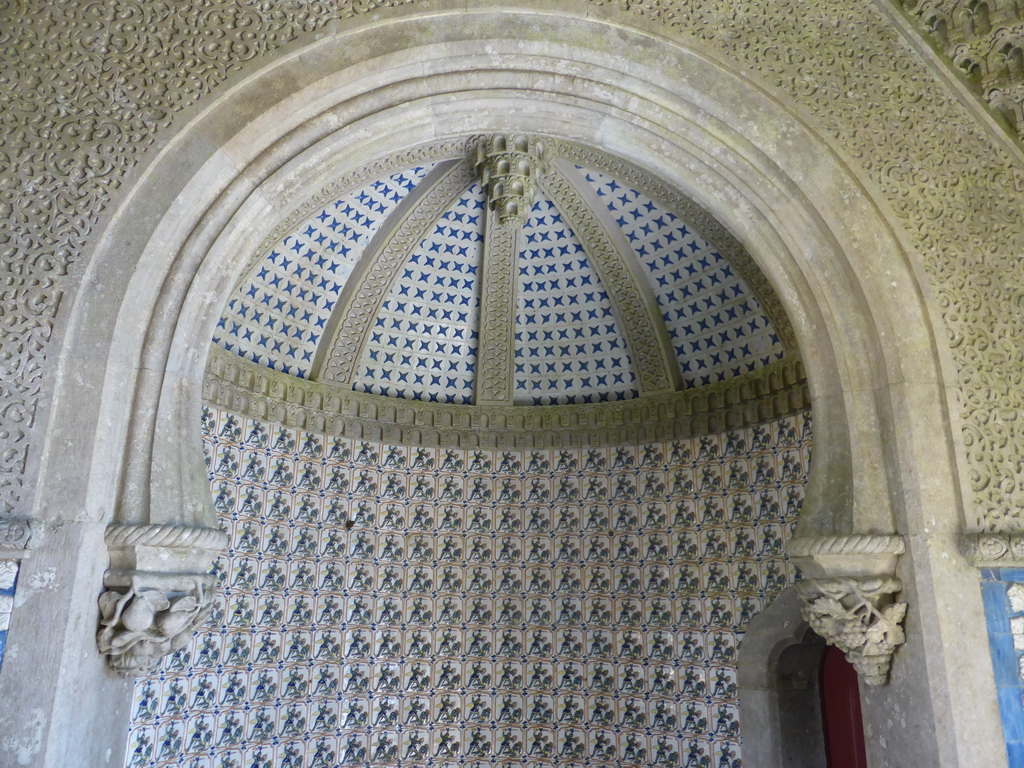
[(127, 399)]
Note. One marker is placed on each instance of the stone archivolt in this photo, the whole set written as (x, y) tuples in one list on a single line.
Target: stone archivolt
[(105, 103)]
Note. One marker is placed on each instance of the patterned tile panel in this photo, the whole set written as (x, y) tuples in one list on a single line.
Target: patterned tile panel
[(569, 347), (8, 581), (717, 326), (277, 315), (423, 342), (1002, 590), (390, 606)]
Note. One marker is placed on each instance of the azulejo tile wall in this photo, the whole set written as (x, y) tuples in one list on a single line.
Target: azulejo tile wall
[(398, 606), (1002, 590), (8, 580)]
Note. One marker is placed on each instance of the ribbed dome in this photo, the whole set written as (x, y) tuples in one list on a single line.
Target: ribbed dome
[(610, 289)]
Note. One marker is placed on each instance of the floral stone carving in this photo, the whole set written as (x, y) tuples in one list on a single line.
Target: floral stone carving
[(149, 616), (858, 617)]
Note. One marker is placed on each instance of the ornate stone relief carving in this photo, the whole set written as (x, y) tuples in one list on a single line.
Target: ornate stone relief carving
[(508, 168), (495, 360), (362, 298), (149, 617), (15, 538), (995, 549), (158, 590), (637, 313), (858, 617), (848, 596), (922, 159), (252, 390), (984, 43), (88, 91)]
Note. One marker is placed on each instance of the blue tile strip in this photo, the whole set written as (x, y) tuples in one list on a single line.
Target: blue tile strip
[(1002, 592), (8, 582)]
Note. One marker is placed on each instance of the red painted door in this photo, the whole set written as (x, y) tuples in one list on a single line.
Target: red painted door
[(840, 712)]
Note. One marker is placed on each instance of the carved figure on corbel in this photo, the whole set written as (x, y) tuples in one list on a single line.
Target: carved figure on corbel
[(849, 594), (158, 591)]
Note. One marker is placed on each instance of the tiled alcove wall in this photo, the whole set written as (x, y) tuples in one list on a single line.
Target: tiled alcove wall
[(563, 607)]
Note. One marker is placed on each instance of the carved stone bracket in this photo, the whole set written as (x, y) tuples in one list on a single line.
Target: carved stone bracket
[(995, 550), (848, 596), (158, 592), (859, 617), (508, 168)]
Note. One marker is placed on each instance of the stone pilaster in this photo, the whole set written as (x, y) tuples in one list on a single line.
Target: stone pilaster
[(508, 168)]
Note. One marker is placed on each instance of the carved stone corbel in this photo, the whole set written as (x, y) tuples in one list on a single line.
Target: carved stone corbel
[(158, 591), (508, 168), (859, 617), (848, 595)]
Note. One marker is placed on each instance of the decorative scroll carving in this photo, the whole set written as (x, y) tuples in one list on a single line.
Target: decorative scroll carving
[(15, 538), (495, 360), (859, 617), (995, 550), (361, 299), (158, 590), (984, 43), (639, 318), (249, 389), (508, 168), (77, 117), (146, 616)]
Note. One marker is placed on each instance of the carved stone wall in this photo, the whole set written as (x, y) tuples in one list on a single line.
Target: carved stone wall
[(575, 606), (88, 89)]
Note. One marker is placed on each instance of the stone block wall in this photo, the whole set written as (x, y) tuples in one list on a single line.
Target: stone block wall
[(416, 606)]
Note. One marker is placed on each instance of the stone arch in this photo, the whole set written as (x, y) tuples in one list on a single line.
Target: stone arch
[(137, 337)]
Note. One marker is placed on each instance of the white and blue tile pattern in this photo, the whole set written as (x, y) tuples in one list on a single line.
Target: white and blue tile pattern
[(717, 326), (568, 345), (423, 342), (547, 608), (1002, 591), (278, 315), (8, 580)]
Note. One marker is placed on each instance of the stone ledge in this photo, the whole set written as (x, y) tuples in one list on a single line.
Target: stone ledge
[(231, 382)]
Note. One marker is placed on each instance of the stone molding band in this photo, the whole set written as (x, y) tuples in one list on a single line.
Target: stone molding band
[(171, 536), (852, 544), (252, 390), (994, 550)]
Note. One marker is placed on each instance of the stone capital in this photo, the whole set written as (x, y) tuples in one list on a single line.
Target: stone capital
[(158, 591), (848, 596)]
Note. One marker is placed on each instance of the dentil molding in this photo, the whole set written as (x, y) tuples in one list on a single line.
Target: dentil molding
[(251, 390)]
